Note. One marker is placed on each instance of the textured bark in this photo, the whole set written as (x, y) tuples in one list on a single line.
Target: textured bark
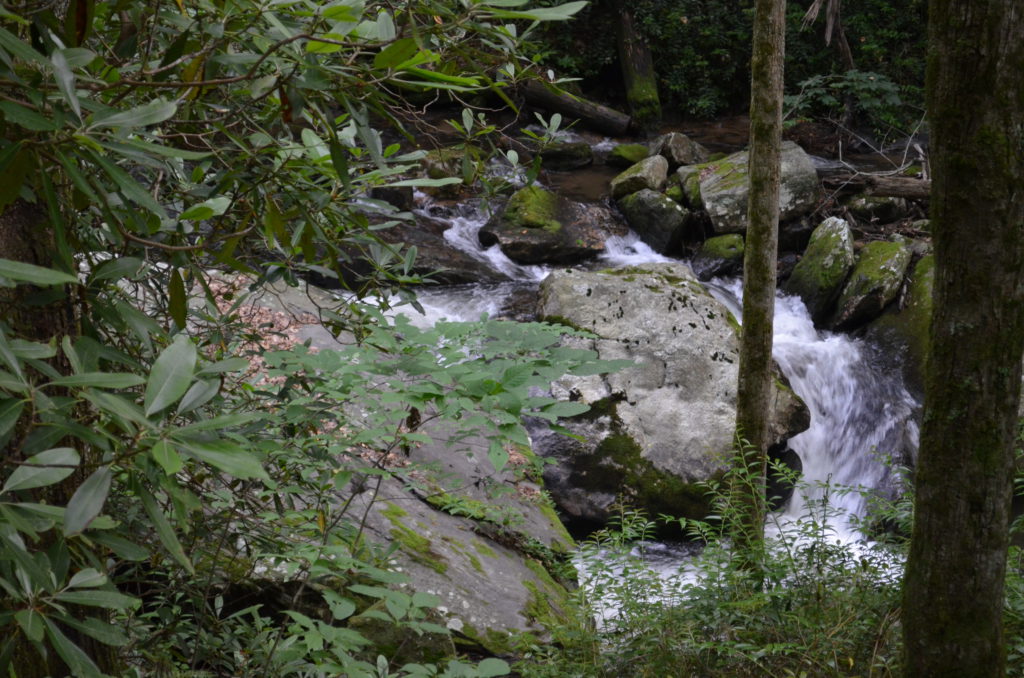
[(755, 372), (600, 118), (890, 187), (638, 73), (953, 592)]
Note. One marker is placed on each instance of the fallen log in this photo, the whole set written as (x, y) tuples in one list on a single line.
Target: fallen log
[(598, 117), (884, 186)]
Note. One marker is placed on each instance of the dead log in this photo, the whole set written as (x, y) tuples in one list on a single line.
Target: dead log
[(884, 186), (598, 117)]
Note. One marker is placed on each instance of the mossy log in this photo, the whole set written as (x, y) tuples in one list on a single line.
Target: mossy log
[(887, 186), (598, 117)]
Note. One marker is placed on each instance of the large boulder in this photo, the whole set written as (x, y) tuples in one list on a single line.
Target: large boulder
[(819, 275), (873, 283), (657, 219), (627, 155), (536, 226), (679, 149), (725, 185), (904, 331), (650, 173), (658, 430)]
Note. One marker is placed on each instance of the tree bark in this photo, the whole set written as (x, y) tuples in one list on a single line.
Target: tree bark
[(753, 403), (600, 118), (953, 590), (638, 73), (890, 187)]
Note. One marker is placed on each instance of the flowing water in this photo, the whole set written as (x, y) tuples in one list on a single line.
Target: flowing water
[(861, 414)]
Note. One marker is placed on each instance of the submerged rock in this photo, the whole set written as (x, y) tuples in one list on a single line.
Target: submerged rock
[(658, 430), (819, 276), (650, 173), (724, 187), (873, 283), (536, 226)]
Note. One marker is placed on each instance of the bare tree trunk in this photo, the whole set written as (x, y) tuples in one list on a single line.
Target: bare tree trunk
[(755, 372), (953, 590)]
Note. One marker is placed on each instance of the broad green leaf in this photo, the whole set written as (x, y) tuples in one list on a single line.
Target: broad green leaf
[(106, 633), (87, 579), (65, 80), (163, 527), (222, 366), (77, 660), (226, 455), (168, 458), (443, 78), (221, 423), (171, 375), (31, 623), (314, 46), (396, 53), (87, 501), (492, 667), (45, 468), (10, 410), (166, 151), (127, 185), (100, 380), (19, 48), (25, 117), (115, 269), (111, 600), (121, 547), (200, 393), (213, 207), (565, 408), (115, 405), (154, 112), (35, 275), (559, 13), (177, 299)]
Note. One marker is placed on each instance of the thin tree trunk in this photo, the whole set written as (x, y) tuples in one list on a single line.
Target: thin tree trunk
[(953, 591), (637, 69), (755, 372)]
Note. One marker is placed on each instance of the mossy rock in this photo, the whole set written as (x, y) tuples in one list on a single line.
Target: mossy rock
[(674, 192), (688, 177), (679, 149), (718, 256), (627, 155), (658, 220), (905, 331), (565, 155), (397, 642), (819, 276), (873, 283), (650, 173), (532, 207)]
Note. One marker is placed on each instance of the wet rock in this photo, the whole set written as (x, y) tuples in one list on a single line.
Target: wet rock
[(679, 149), (657, 430), (447, 163), (870, 209), (565, 156), (873, 283), (657, 219), (719, 256), (688, 178), (819, 276), (724, 187), (650, 173), (399, 197), (537, 226), (627, 155)]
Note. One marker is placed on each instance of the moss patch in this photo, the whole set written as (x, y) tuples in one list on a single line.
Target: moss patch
[(532, 207), (626, 155), (414, 544)]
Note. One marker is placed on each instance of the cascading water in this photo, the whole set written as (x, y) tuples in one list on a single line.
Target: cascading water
[(860, 412)]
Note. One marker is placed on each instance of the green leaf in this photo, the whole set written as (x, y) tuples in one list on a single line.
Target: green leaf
[(87, 579), (106, 633), (396, 53), (314, 46), (19, 49), (222, 366), (226, 455), (117, 406), (127, 185), (168, 458), (47, 468), (77, 660), (171, 375), (492, 666), (200, 393), (35, 275), (559, 13), (100, 380), (10, 411), (154, 112), (65, 80), (210, 208), (111, 600), (87, 501), (177, 299), (115, 269), (163, 527), (166, 151), (31, 622), (121, 547), (26, 117), (565, 408)]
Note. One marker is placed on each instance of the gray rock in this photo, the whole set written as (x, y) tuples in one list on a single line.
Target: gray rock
[(688, 177), (657, 219), (659, 429), (873, 283), (724, 187), (877, 209), (679, 149), (819, 275), (651, 173)]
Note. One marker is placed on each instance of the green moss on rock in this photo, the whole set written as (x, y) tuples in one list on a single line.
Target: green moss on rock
[(532, 207), (627, 155)]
